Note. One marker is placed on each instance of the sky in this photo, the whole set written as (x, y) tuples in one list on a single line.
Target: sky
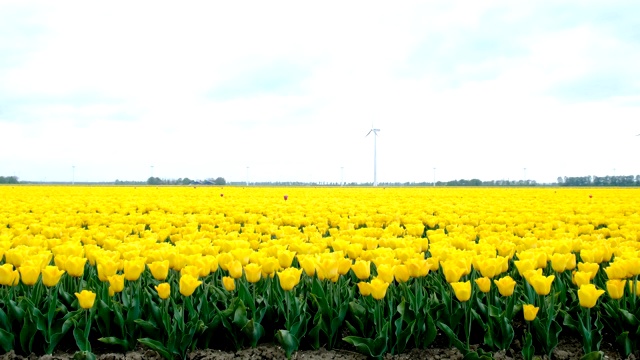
[(288, 90)]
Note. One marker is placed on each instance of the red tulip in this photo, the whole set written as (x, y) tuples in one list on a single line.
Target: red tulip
[(286, 197)]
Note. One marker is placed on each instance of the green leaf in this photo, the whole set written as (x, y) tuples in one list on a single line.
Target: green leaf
[(111, 340), (506, 333), (371, 347), (453, 338), (288, 342), (157, 346), (594, 355), (254, 332), (431, 332), (528, 349), (629, 317), (149, 327), (625, 343), (240, 315), (6, 340), (81, 341)]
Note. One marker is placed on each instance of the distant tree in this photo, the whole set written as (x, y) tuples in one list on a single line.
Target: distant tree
[(220, 181), (154, 181), (9, 180)]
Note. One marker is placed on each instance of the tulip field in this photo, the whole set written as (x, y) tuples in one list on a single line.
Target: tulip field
[(375, 270)]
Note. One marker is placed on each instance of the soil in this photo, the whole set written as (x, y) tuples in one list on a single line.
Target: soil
[(568, 349)]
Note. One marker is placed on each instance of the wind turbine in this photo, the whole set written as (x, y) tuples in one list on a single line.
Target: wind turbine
[(375, 135)]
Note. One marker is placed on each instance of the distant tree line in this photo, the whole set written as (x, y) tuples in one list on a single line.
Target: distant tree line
[(185, 181), (9, 180), (622, 180)]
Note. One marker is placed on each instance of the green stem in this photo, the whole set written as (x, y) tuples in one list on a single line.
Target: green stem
[(467, 322)]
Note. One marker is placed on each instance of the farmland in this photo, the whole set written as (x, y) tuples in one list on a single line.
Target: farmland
[(375, 270)]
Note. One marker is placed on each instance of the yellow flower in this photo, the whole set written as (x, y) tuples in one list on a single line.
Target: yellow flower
[(581, 278), (164, 290), (285, 258), (253, 272), (541, 284), (190, 270), (188, 284), (116, 283), (362, 269), (51, 275), (462, 290), (159, 269), (133, 269), (229, 283), (385, 272), (29, 274), (452, 273), (289, 278), (505, 285), (417, 267), (530, 312), (615, 288), (592, 268), (484, 284), (365, 288), (106, 267), (9, 276), (344, 265), (75, 266), (308, 264), (401, 273), (559, 261), (378, 288), (86, 299), (588, 295), (235, 269)]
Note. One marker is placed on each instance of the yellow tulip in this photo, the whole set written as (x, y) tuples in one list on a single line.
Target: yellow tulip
[(7, 275), (289, 278), (401, 273), (452, 273), (29, 274), (51, 275), (591, 268), (133, 269), (615, 288), (365, 288), (253, 272), (344, 265), (159, 269), (378, 288), (525, 265), (308, 264), (285, 258), (269, 266), (116, 282), (541, 284), (385, 273), (581, 278), (190, 270), (106, 267), (462, 290), (417, 267), (588, 295), (362, 269), (86, 299), (75, 266), (530, 312), (188, 284), (229, 283), (484, 284), (164, 290), (559, 261), (235, 269), (505, 285)]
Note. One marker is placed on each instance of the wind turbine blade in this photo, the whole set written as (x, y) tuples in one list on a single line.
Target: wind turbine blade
[(368, 133)]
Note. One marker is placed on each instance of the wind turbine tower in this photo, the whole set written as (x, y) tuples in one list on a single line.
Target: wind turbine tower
[(375, 135)]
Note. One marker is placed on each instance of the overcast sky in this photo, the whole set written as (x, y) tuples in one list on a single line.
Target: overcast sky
[(287, 91)]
